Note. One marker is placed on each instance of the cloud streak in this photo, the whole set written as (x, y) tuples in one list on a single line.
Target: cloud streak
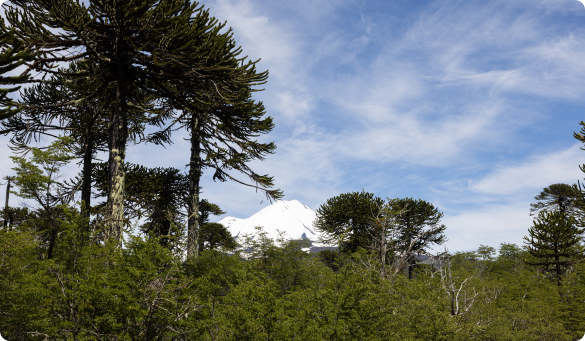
[(534, 173)]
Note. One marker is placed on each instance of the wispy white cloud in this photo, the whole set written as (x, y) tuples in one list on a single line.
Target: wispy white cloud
[(282, 53), (436, 97), (534, 173), (499, 45), (557, 5), (499, 202), (489, 225)]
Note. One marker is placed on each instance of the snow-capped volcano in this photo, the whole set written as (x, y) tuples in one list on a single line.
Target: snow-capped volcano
[(291, 217)]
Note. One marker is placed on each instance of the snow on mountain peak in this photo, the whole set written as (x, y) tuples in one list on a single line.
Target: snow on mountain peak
[(291, 217)]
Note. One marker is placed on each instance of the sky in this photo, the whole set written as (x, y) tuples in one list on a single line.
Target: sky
[(470, 105)]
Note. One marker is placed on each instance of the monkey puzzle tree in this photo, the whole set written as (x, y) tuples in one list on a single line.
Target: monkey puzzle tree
[(12, 216), (419, 227), (554, 241), (12, 56), (580, 202), (486, 252), (5, 213), (49, 109), (348, 218), (557, 197), (509, 251), (53, 108), (214, 235), (170, 49), (223, 137), (384, 234), (160, 196)]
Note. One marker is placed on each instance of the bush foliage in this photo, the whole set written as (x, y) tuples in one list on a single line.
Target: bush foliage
[(146, 292)]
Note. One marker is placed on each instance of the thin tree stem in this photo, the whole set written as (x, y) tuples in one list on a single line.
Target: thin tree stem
[(194, 178)]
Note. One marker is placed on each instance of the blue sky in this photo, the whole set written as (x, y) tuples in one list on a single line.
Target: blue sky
[(470, 105)]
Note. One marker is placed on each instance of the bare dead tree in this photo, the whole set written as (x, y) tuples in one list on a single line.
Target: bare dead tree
[(462, 293)]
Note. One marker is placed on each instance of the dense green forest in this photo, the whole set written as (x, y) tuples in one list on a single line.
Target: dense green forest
[(145, 263), (145, 292)]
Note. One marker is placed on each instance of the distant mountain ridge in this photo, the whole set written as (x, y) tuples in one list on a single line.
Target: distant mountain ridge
[(291, 217)]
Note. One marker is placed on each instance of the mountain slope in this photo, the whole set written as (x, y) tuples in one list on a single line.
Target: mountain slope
[(291, 217)]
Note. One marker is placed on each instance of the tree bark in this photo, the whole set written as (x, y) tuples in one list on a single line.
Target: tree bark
[(410, 256), (86, 182), (6, 207), (194, 177), (383, 250), (411, 264), (409, 242), (558, 268), (52, 240), (118, 134)]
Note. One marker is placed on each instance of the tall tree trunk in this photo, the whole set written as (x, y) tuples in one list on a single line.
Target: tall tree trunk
[(86, 181), (411, 263), (558, 268), (409, 229), (383, 250), (52, 240), (118, 134), (90, 141), (6, 207), (194, 177), (410, 255)]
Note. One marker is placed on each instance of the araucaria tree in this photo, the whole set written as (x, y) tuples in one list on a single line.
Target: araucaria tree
[(384, 234), (48, 110), (170, 52), (419, 228), (554, 242), (558, 197), (160, 197), (347, 218), (12, 55), (397, 229), (223, 137)]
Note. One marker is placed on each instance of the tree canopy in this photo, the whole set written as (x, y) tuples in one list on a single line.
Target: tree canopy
[(165, 63), (12, 56), (554, 242), (347, 218), (558, 197), (419, 227), (37, 179), (398, 229)]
